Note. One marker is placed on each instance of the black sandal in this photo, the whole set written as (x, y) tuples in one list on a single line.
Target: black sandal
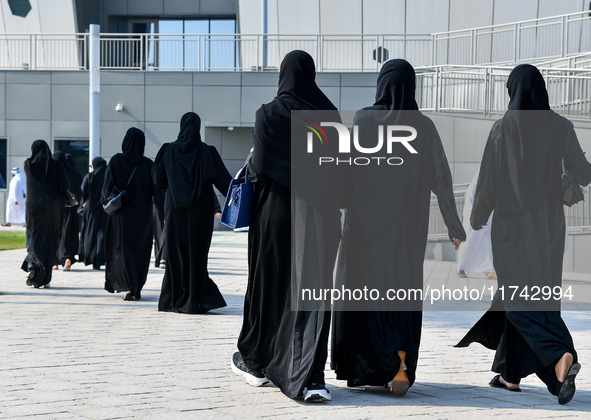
[(566, 390), (496, 383), (128, 296)]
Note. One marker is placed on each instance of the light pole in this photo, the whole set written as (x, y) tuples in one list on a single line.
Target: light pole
[(94, 66)]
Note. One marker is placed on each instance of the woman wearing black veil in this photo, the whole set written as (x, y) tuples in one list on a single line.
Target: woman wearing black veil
[(94, 218), (188, 168), (46, 185), (381, 346), (279, 342), (69, 237), (520, 179), (129, 231)]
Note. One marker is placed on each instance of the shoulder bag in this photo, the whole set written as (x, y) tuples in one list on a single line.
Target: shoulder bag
[(572, 191), (238, 205), (116, 202)]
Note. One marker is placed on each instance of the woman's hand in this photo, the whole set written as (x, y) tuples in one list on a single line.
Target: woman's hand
[(456, 243)]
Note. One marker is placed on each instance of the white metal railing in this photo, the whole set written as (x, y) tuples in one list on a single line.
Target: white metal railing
[(578, 217), (43, 51), (579, 61), (538, 39), (481, 89), (535, 39)]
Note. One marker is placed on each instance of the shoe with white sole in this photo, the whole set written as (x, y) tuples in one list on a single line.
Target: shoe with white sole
[(252, 378), (317, 393)]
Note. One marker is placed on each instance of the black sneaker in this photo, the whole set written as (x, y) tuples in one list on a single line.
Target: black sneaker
[(31, 276), (316, 393), (252, 378)]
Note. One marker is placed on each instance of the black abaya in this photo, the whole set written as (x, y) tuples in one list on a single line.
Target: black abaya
[(46, 184), (289, 345), (129, 231), (69, 237), (388, 251), (187, 169), (92, 246), (528, 229)]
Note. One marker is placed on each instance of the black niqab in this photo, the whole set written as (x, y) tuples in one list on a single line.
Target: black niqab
[(188, 162), (529, 163), (70, 160), (39, 160)]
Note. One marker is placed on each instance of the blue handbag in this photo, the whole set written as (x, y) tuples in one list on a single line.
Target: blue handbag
[(238, 205)]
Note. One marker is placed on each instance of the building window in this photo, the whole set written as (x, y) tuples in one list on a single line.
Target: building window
[(4, 178), (173, 44), (78, 149)]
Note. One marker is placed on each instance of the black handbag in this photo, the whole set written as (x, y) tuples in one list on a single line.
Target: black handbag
[(116, 202), (572, 191), (70, 199)]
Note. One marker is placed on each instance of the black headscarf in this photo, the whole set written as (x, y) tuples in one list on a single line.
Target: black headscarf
[(70, 160), (123, 164), (530, 149), (396, 86), (189, 162), (98, 162), (39, 162), (272, 131), (60, 157), (527, 89), (133, 145)]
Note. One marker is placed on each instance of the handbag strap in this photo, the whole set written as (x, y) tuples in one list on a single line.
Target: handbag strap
[(132, 174)]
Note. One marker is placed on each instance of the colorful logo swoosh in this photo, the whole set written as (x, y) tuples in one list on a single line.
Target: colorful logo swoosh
[(317, 130)]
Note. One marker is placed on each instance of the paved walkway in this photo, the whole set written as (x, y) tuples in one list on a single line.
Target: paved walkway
[(74, 351)]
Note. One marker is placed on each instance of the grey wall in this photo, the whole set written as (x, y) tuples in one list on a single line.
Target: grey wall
[(394, 16)]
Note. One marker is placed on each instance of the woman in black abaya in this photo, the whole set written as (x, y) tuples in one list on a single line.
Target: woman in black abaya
[(129, 231), (46, 185), (92, 246), (520, 179), (69, 239), (279, 342), (382, 346), (188, 168)]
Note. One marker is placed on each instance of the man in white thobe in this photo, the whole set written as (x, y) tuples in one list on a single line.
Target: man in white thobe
[(17, 193)]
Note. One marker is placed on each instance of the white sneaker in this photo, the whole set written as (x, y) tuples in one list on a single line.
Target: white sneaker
[(317, 395)]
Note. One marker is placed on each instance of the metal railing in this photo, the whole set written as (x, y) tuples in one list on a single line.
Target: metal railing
[(204, 52), (578, 217), (579, 61), (43, 51), (482, 90), (524, 41), (538, 39)]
